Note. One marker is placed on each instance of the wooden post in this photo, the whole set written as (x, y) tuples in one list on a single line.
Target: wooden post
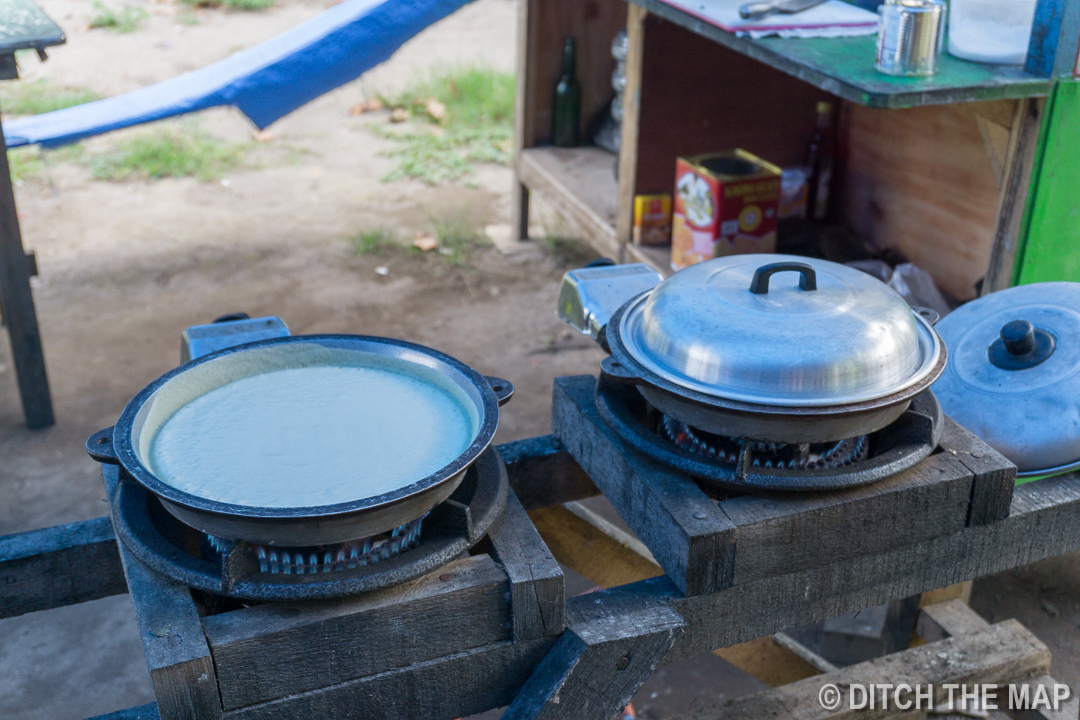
[(1015, 186), (18, 303), (628, 147)]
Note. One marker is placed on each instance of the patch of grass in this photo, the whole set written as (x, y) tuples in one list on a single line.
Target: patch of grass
[(458, 238), (25, 164), (31, 162), (41, 96), (168, 152), (126, 19), (471, 121), (377, 241)]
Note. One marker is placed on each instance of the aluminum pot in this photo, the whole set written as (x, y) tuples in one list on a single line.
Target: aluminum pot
[(126, 444), (773, 347), (1014, 379)]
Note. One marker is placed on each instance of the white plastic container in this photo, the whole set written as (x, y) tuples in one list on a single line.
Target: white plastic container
[(991, 31)]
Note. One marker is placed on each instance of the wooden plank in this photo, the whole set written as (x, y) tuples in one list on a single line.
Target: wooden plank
[(148, 711), (919, 181), (1042, 524), (455, 686), (994, 478), (596, 667), (688, 534), (1045, 686), (1015, 188), (537, 594), (839, 66), (720, 101), (272, 650), (781, 534), (542, 473), (948, 619), (996, 655), (589, 550), (769, 660), (629, 128), (181, 669), (17, 300), (606, 555), (578, 183), (177, 655), (57, 566)]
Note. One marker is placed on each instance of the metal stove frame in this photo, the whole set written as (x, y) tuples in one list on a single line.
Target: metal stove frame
[(613, 638)]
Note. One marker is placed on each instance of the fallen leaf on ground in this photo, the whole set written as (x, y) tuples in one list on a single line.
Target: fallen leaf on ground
[(262, 135), (369, 105), (399, 115), (435, 109), (425, 242)]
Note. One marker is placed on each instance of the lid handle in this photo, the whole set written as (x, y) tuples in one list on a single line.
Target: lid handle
[(760, 284), (1021, 346)]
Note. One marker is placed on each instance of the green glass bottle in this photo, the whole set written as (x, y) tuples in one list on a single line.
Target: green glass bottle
[(566, 112)]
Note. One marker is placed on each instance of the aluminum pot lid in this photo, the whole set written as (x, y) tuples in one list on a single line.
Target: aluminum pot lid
[(1014, 373), (780, 330)]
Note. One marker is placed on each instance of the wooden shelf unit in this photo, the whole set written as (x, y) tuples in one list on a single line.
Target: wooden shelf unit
[(939, 169)]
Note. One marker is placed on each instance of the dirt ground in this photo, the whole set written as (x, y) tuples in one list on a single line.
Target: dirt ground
[(124, 267)]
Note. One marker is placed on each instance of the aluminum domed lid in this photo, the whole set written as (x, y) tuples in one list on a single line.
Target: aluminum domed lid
[(780, 330), (1014, 373)]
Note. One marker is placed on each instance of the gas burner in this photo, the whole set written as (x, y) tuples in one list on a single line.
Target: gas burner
[(328, 558), (744, 464), (247, 571), (764, 454)]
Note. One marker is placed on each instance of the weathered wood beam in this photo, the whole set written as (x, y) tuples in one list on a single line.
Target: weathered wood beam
[(1042, 524), (537, 594), (998, 654), (596, 667), (57, 566)]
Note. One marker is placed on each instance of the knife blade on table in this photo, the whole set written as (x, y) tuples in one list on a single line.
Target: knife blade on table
[(753, 10)]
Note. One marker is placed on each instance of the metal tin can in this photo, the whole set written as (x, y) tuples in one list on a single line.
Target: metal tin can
[(909, 37)]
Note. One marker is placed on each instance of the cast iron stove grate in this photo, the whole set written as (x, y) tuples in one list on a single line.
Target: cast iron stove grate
[(743, 463), (261, 572)]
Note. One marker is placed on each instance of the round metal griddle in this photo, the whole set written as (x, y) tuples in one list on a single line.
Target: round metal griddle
[(304, 526)]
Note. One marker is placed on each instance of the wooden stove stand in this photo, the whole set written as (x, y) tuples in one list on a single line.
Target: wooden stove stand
[(614, 637), (705, 546)]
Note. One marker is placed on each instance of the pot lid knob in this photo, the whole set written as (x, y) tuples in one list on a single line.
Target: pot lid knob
[(1021, 346)]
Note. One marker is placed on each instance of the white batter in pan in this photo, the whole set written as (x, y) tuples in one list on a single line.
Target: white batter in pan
[(315, 435)]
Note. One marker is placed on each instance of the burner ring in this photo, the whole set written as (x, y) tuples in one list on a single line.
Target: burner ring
[(901, 445), (166, 545), (802, 456)]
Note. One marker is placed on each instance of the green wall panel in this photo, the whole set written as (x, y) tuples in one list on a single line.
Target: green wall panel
[(1051, 246)]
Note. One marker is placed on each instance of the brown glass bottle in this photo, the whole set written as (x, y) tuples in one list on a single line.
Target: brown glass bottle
[(566, 111), (820, 162)]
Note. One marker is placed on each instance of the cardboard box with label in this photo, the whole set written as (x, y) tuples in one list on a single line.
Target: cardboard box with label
[(725, 204)]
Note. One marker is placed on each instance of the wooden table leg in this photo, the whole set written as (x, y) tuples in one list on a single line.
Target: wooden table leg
[(18, 303)]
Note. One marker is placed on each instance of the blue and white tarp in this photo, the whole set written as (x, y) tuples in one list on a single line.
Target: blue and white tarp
[(265, 82)]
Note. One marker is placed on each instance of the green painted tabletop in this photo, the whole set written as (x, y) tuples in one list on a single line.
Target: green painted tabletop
[(23, 25), (844, 66)]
